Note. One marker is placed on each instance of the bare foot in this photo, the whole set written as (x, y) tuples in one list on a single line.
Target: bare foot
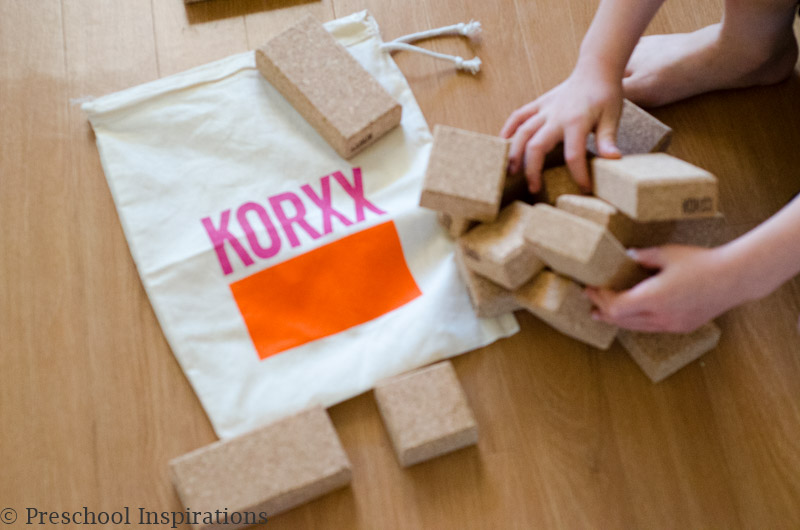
[(667, 68)]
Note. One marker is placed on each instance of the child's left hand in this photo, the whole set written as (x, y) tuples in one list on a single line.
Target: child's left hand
[(693, 286)]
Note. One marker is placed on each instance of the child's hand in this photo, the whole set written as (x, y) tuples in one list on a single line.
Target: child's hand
[(694, 285), (589, 99)]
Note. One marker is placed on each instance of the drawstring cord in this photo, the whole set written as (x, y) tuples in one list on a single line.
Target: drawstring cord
[(471, 30)]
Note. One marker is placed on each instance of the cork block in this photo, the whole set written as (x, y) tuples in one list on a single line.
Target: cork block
[(269, 470), (328, 87), (638, 132), (561, 303), (651, 234), (581, 249), (656, 187), (498, 250), (426, 413), (660, 355), (557, 181), (703, 232), (600, 212), (488, 299), (465, 175), (455, 226)]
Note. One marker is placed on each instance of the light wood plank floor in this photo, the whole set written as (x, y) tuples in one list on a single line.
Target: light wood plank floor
[(93, 404)]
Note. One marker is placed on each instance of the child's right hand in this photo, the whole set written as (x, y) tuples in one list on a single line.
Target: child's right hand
[(590, 99), (693, 286)]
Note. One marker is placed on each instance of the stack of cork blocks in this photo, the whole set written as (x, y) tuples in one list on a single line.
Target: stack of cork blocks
[(539, 254)]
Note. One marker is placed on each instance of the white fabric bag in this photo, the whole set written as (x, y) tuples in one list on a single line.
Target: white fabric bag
[(282, 275)]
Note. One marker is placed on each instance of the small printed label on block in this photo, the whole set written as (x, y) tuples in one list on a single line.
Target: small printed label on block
[(328, 87), (465, 175), (426, 413), (264, 472)]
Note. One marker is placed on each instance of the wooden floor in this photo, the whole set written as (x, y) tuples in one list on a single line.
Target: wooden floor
[(93, 403)]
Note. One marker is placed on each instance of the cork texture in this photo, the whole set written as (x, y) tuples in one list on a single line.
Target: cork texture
[(561, 303), (426, 413), (455, 226), (600, 212), (488, 299), (328, 87), (270, 470), (557, 181), (581, 249), (660, 355), (466, 174), (656, 187), (703, 232), (498, 250), (638, 132), (651, 234)]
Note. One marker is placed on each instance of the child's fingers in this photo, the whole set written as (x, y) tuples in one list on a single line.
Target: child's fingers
[(608, 304), (575, 156), (642, 322), (613, 311), (620, 305), (601, 298), (606, 134), (545, 139), (520, 139), (651, 258), (519, 117)]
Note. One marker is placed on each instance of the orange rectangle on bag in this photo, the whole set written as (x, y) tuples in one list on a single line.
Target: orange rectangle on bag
[(327, 290)]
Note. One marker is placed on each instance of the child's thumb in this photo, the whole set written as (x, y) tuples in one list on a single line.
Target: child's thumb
[(606, 135), (650, 258)]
